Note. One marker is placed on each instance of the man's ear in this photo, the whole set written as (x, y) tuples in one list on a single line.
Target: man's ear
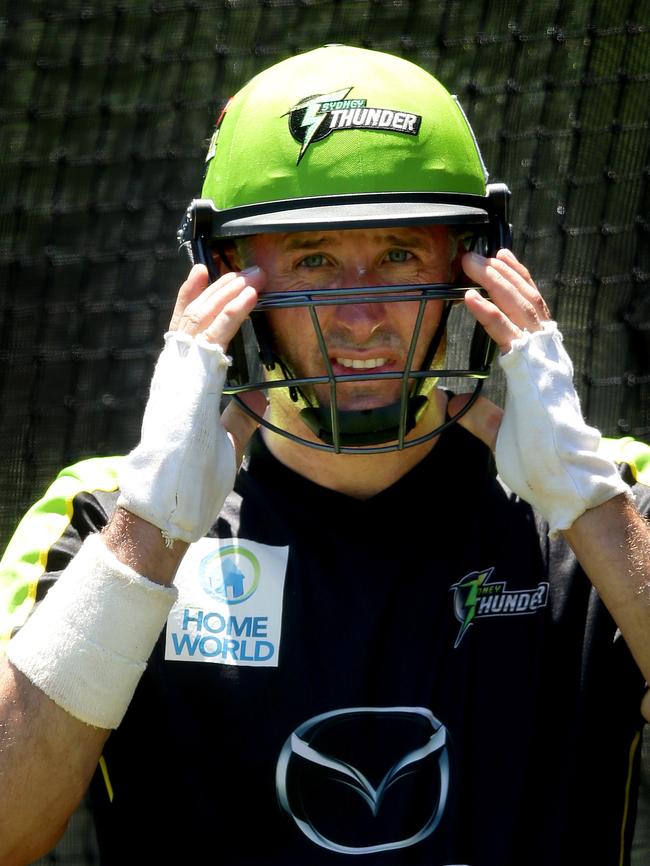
[(457, 250), (227, 257)]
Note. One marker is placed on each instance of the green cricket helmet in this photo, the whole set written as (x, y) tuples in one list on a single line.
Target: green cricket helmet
[(345, 138)]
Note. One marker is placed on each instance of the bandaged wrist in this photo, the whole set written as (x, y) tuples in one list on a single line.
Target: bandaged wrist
[(180, 473), (545, 451), (88, 642)]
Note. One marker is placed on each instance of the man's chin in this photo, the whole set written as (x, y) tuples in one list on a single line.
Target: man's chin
[(350, 398)]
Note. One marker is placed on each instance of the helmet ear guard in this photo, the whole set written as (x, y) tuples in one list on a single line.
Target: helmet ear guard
[(483, 349)]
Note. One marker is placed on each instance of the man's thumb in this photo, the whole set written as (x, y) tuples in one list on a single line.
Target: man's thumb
[(238, 424)]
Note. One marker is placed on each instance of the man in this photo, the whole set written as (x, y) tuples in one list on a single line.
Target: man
[(374, 646)]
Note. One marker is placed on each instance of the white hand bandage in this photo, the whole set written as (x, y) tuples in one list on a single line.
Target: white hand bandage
[(88, 642), (184, 466), (545, 452)]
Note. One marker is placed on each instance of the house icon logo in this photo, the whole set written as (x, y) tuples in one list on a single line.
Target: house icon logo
[(230, 574)]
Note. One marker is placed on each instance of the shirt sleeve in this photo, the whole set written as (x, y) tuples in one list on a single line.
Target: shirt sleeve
[(633, 459), (80, 501)]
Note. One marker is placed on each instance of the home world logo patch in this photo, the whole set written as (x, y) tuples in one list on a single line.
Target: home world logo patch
[(229, 606), (316, 117), (476, 598)]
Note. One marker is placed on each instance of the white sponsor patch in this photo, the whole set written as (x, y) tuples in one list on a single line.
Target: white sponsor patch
[(229, 607)]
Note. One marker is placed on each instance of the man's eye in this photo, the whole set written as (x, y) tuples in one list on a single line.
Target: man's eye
[(314, 260), (397, 256)]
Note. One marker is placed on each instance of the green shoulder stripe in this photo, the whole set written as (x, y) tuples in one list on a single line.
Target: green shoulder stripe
[(25, 557), (631, 451)]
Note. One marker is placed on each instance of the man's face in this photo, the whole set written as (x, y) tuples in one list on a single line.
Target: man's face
[(360, 336)]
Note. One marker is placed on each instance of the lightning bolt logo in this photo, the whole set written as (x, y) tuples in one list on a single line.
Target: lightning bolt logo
[(313, 116), (466, 598)]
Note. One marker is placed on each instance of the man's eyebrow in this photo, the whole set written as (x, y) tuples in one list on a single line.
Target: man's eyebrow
[(305, 242), (311, 242), (410, 240)]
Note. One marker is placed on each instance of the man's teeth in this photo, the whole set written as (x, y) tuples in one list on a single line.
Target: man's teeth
[(367, 364)]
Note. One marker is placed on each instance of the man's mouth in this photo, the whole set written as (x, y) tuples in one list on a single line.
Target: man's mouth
[(361, 364)]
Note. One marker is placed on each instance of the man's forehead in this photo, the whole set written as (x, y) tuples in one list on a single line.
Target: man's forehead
[(409, 234)]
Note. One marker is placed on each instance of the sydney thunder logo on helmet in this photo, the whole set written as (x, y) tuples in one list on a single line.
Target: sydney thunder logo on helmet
[(315, 117)]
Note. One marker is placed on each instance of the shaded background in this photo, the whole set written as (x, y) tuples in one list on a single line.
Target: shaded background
[(105, 113)]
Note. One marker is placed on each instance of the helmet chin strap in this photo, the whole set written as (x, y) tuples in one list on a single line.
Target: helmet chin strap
[(358, 427)]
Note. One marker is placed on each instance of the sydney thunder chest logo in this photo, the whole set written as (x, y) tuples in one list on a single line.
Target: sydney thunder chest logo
[(314, 118), (476, 597)]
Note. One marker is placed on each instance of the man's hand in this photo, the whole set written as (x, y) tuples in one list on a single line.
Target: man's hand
[(509, 284), (545, 452), (180, 473), (217, 311), (514, 305)]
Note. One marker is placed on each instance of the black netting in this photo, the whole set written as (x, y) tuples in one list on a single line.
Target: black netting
[(105, 111)]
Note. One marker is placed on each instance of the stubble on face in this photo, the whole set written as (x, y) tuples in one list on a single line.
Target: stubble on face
[(361, 337)]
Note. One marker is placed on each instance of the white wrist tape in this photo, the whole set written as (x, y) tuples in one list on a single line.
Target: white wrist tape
[(180, 473), (87, 643), (545, 452)]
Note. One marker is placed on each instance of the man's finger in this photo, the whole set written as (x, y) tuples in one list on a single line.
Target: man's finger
[(514, 305), (494, 320), (217, 309), (223, 327), (196, 282), (482, 420), (506, 255)]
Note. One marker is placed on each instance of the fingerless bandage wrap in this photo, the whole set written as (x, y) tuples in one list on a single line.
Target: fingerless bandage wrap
[(180, 473), (545, 452), (88, 642)]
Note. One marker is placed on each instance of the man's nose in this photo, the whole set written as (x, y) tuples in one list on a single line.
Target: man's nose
[(358, 316)]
